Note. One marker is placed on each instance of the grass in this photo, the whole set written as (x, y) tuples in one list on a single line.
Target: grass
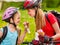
[(26, 17)]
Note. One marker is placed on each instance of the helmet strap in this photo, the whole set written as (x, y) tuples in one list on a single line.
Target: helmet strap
[(13, 23)]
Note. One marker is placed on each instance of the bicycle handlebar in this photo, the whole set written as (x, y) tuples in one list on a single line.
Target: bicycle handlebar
[(54, 42)]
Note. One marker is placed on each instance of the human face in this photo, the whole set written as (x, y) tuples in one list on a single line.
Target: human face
[(31, 12), (17, 18)]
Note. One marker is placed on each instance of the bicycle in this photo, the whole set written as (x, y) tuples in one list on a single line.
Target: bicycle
[(49, 43)]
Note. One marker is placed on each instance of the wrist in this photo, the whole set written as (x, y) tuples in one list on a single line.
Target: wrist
[(50, 39), (25, 31), (47, 39)]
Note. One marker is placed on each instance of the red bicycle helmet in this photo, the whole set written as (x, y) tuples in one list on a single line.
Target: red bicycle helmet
[(31, 3)]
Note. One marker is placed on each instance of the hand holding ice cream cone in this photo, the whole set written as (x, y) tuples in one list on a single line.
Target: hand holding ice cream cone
[(26, 25), (40, 32)]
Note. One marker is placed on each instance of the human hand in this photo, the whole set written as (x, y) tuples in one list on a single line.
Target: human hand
[(26, 25), (45, 39)]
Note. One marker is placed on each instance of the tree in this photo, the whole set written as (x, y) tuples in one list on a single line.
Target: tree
[(0, 5), (52, 3)]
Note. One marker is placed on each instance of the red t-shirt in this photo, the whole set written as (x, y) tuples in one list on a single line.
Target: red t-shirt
[(48, 29)]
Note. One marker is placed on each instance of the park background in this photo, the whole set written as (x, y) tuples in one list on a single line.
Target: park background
[(46, 5)]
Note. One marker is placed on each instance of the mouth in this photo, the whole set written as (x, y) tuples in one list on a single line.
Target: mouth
[(18, 22)]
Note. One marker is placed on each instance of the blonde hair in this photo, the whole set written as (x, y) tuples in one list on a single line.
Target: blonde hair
[(40, 19)]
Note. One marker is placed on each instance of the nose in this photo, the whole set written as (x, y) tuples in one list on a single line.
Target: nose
[(18, 20), (29, 13)]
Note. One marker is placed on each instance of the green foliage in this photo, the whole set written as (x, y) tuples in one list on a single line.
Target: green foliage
[(45, 3), (52, 3), (26, 17), (15, 4)]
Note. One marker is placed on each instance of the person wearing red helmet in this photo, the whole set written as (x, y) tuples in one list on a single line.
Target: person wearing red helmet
[(44, 30)]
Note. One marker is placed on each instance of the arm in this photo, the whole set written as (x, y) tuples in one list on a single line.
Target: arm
[(57, 30), (55, 26), (55, 37), (21, 37)]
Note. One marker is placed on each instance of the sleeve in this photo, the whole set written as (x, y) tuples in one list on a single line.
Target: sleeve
[(52, 18)]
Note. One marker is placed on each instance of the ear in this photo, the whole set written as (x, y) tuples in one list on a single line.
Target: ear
[(11, 20)]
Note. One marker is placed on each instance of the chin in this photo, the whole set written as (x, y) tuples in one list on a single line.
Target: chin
[(17, 23)]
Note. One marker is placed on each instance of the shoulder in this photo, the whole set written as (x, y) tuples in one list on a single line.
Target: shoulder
[(1, 32), (52, 18), (1, 29), (50, 15)]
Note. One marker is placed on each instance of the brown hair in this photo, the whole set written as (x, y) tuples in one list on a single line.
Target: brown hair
[(39, 19)]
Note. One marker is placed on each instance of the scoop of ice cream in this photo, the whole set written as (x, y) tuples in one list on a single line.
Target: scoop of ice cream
[(26, 25), (40, 32)]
